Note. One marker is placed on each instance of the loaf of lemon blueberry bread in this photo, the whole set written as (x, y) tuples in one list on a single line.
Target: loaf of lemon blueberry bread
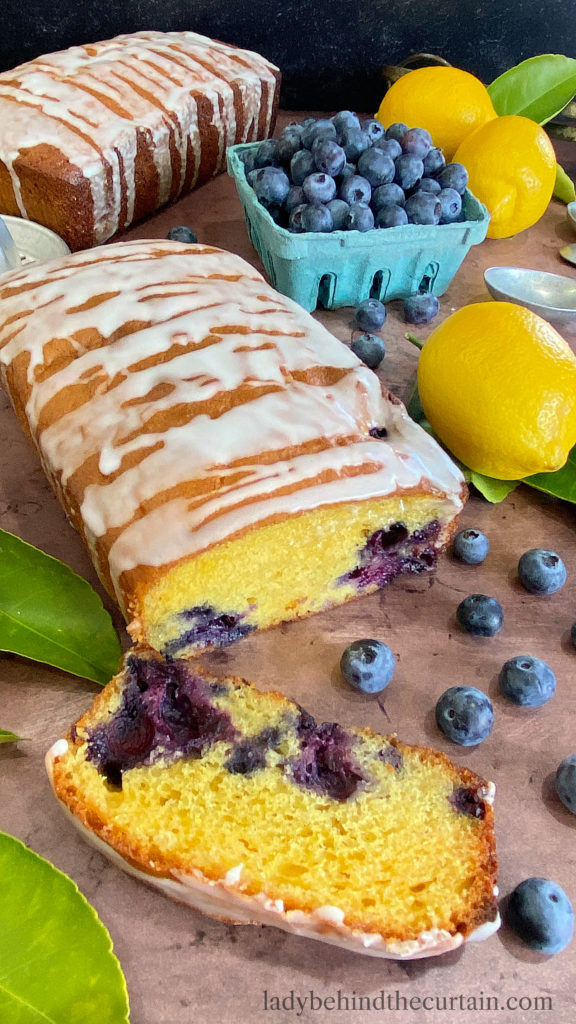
[(97, 136), (229, 463), (242, 805)]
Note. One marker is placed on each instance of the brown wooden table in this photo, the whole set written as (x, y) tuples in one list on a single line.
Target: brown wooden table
[(181, 967)]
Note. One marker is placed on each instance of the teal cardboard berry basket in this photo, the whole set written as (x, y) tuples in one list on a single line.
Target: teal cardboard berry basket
[(344, 267)]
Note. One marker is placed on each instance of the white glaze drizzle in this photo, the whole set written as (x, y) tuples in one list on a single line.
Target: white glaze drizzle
[(89, 101), (189, 298)]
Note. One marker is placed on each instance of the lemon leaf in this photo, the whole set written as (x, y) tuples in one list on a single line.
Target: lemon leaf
[(8, 737), (490, 488), (56, 959), (538, 88), (564, 187), (49, 614), (561, 484)]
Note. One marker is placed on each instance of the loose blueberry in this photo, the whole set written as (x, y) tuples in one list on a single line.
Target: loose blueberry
[(370, 315), (540, 912), (318, 129), (566, 782), (359, 218), (355, 189), (465, 715), (454, 176), (345, 119), (471, 546), (329, 156), (420, 308), (541, 571), (451, 205), (294, 198), (423, 208), (316, 217), (368, 666), (396, 131), (429, 185), (408, 170), (434, 161), (267, 153), (271, 185), (391, 217), (301, 165), (376, 167), (387, 195), (338, 208), (527, 681), (417, 141), (480, 615), (319, 187), (390, 147), (181, 233), (370, 349), (374, 129), (354, 143)]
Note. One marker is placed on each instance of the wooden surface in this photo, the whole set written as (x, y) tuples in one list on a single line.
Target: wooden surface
[(181, 967)]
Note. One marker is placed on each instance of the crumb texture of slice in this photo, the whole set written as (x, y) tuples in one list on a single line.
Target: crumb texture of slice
[(182, 773)]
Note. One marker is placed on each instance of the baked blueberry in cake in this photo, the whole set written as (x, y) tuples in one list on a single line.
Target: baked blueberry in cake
[(229, 463), (243, 805)]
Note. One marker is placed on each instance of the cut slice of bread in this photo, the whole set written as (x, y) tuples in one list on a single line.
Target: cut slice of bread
[(240, 804)]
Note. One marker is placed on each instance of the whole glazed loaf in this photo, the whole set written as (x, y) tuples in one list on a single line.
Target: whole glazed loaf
[(97, 136), (243, 806), (229, 463)]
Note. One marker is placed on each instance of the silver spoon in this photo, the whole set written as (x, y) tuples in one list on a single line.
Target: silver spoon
[(568, 253), (552, 296)]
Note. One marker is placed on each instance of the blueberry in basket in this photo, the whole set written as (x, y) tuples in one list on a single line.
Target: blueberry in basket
[(387, 177)]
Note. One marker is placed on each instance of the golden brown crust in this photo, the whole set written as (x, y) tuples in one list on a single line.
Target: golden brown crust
[(53, 187)]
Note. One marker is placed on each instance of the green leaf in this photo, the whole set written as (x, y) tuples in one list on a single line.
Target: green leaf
[(538, 88), (56, 959), (493, 490), (564, 187), (8, 737), (561, 484), (50, 614)]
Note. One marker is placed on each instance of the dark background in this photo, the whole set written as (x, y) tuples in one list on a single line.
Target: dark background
[(331, 52)]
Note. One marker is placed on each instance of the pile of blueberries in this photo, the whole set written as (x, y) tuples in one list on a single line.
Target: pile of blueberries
[(343, 174), (538, 909)]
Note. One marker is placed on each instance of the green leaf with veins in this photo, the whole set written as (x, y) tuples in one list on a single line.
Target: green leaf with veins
[(50, 614), (538, 88), (8, 737), (56, 959)]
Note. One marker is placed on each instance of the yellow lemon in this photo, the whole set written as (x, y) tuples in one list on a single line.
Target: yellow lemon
[(512, 169), (498, 385), (448, 102)]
